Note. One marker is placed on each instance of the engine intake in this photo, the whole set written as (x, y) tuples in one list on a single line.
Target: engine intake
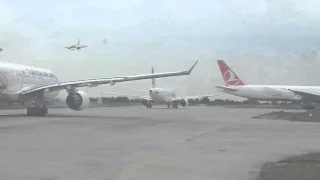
[(77, 101), (146, 102), (184, 102)]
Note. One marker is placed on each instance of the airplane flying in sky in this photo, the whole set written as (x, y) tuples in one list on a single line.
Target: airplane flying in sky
[(307, 95), (19, 83), (76, 46), (161, 96)]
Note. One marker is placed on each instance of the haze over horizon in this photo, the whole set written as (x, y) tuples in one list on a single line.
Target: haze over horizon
[(264, 41)]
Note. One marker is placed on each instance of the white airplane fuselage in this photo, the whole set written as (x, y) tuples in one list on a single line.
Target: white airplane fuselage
[(15, 78), (270, 92), (161, 95)]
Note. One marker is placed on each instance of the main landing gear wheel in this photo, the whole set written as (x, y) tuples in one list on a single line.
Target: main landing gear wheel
[(37, 111), (149, 106), (175, 106)]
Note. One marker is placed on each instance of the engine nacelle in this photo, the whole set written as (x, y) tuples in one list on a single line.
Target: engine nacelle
[(184, 102), (146, 102), (307, 106), (78, 101)]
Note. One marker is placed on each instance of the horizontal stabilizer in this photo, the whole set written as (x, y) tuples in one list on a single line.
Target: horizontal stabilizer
[(140, 90)]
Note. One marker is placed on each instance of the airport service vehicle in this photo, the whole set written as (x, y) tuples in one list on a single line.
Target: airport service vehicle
[(161, 96), (307, 95), (20, 83)]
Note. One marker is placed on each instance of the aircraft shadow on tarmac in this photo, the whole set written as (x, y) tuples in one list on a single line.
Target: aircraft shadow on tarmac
[(307, 116)]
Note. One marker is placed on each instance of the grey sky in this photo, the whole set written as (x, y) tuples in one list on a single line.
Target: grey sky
[(262, 40)]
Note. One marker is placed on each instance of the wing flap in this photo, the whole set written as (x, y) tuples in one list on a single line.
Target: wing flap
[(306, 95)]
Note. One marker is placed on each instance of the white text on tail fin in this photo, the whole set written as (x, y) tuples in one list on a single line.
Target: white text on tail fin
[(153, 80), (230, 78)]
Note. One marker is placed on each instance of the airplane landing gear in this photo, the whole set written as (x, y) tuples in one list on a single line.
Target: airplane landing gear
[(40, 109), (149, 106), (37, 111)]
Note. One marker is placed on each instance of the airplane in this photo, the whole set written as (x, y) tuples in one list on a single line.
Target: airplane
[(38, 87), (161, 96), (76, 46), (306, 95)]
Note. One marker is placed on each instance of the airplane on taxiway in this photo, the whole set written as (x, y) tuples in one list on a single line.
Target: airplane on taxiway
[(307, 95), (161, 96), (21, 84)]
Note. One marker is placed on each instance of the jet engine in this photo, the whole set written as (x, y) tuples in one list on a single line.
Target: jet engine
[(77, 101), (307, 105), (147, 103), (184, 102)]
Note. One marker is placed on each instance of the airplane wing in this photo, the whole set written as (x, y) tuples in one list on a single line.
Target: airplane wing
[(189, 97), (72, 85), (130, 95), (226, 88), (140, 90), (199, 96), (306, 95)]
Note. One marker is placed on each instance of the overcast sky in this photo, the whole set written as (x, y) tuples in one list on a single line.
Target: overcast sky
[(264, 41)]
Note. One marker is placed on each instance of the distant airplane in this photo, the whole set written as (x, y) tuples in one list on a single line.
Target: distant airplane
[(307, 95), (76, 46), (105, 41), (162, 96)]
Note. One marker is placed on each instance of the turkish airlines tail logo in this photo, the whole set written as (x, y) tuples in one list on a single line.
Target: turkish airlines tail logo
[(153, 80), (230, 78)]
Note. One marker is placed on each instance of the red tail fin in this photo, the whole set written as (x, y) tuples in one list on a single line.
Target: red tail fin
[(230, 78), (153, 80)]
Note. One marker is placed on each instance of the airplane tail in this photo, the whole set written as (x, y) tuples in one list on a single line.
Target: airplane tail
[(78, 41), (153, 80), (230, 78)]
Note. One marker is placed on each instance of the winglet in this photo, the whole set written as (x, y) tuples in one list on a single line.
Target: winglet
[(192, 67)]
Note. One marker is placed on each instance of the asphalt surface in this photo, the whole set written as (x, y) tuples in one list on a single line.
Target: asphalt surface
[(131, 143)]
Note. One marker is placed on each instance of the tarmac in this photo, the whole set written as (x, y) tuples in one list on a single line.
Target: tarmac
[(131, 143)]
